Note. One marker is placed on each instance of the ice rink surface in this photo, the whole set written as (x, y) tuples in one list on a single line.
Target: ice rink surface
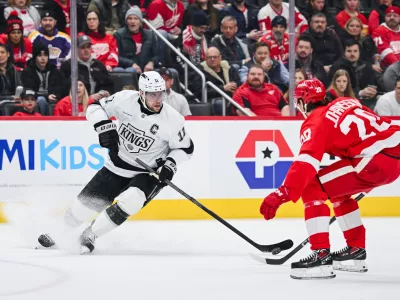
[(190, 260)]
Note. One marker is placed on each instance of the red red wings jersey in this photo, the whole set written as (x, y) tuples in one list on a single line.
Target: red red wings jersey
[(345, 129), (387, 43), (277, 51), (267, 14), (163, 16)]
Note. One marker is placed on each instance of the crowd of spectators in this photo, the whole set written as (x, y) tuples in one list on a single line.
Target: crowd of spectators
[(241, 46)]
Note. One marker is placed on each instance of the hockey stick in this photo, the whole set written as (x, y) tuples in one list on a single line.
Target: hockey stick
[(274, 248), (282, 260)]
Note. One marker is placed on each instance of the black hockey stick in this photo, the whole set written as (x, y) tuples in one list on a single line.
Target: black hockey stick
[(274, 248), (284, 259)]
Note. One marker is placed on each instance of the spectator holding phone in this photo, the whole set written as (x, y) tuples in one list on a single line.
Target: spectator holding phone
[(44, 78)]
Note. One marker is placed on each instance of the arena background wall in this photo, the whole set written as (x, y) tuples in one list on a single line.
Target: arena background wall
[(237, 161)]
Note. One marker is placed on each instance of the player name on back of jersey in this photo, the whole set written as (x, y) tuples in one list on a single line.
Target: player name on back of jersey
[(336, 110)]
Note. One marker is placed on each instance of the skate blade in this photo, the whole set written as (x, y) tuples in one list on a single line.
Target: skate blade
[(357, 266), (323, 272), (84, 250)]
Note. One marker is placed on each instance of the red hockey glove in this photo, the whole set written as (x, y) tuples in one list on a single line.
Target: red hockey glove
[(272, 202)]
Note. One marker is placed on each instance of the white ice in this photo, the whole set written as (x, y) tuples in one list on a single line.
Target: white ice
[(191, 260)]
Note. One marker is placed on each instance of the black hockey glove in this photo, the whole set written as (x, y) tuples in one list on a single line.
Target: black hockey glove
[(108, 135), (168, 170)]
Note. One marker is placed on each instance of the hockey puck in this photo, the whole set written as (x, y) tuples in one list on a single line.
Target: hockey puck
[(276, 251)]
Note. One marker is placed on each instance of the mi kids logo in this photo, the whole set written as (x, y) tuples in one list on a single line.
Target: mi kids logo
[(42, 155), (134, 139), (264, 159)]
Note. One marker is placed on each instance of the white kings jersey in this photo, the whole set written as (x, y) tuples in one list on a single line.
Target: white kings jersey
[(142, 134)]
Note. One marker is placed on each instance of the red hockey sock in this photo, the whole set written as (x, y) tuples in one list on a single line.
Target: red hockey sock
[(317, 222), (349, 219)]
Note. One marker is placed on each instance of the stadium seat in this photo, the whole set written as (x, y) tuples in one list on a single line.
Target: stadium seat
[(201, 109), (120, 79), (11, 108)]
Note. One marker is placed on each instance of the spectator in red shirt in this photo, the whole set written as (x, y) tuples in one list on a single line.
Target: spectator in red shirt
[(351, 9), (377, 16), (20, 46), (64, 106), (28, 98), (104, 46), (260, 98), (340, 85)]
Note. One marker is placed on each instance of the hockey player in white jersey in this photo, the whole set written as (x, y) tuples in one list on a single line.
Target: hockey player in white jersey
[(147, 129)]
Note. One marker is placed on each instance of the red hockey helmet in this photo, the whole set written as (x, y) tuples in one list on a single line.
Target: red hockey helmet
[(310, 91)]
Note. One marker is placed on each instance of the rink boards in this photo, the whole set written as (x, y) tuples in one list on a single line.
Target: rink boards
[(236, 163)]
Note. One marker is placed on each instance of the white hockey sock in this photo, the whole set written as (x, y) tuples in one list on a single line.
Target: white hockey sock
[(78, 213), (103, 224)]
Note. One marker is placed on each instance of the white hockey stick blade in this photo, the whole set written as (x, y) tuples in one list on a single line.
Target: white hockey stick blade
[(258, 258)]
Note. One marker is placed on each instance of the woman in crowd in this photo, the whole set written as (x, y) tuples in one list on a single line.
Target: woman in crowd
[(298, 76), (352, 9), (104, 46), (64, 106), (28, 13), (353, 31), (20, 46), (9, 78), (340, 85)]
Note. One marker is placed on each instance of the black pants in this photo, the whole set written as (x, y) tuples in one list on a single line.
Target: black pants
[(105, 186)]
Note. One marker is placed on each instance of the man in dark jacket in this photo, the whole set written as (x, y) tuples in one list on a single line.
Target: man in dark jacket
[(327, 45), (363, 77), (113, 15), (92, 70), (137, 47), (246, 17), (61, 9), (310, 8), (44, 78), (218, 72), (231, 47)]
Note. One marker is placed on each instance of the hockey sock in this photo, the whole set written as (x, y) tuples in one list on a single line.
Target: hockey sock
[(78, 213), (349, 219), (317, 222), (109, 219)]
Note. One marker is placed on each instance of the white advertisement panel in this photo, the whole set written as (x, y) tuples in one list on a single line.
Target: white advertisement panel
[(232, 159)]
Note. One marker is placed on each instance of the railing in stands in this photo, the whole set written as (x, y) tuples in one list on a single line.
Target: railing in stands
[(187, 62), (226, 97)]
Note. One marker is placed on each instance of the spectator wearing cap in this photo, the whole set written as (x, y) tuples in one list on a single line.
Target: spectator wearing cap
[(28, 98), (177, 101), (246, 18), (195, 43), (274, 70), (326, 43), (211, 13), (9, 78), (43, 78), (26, 11), (59, 43), (64, 106), (92, 71), (387, 38), (278, 39), (137, 47), (104, 45), (377, 15), (166, 16), (61, 9), (389, 103), (112, 12), (279, 8), (232, 49), (20, 46), (260, 98)]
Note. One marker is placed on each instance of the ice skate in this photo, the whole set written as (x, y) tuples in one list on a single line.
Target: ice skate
[(350, 259), (318, 265), (45, 241), (87, 240)]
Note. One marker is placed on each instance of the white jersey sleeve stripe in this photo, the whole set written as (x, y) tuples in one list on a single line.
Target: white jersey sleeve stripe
[(308, 159)]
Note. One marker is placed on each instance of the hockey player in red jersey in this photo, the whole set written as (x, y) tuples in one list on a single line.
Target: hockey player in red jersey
[(369, 148)]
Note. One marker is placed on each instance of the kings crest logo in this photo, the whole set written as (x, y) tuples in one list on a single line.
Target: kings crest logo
[(135, 140)]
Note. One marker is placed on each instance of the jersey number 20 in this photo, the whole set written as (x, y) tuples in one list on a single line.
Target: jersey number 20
[(362, 118)]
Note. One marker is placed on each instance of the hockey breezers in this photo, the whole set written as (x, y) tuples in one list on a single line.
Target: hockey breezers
[(284, 259), (274, 248)]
